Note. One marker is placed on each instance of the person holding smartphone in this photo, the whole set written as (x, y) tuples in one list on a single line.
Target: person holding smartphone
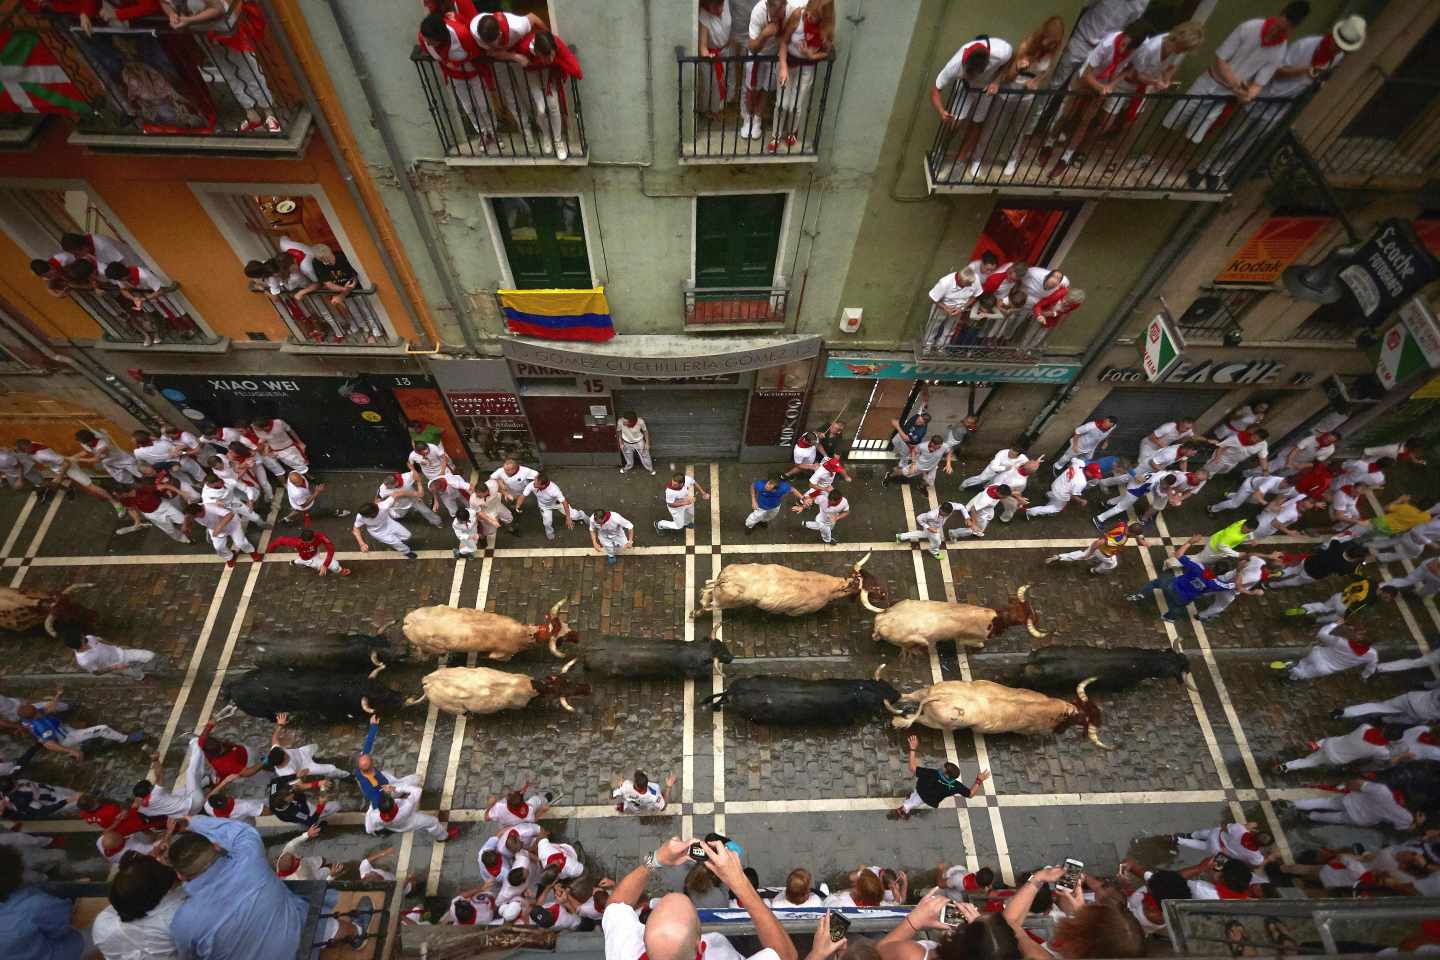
[(936, 912), (1086, 930), (672, 931)]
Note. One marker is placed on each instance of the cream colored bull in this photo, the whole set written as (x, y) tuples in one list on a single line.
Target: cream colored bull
[(777, 589), (22, 610), (436, 631), (916, 625), (989, 708), (467, 690)]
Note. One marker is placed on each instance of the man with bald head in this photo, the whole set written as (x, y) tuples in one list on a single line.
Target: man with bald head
[(672, 931)]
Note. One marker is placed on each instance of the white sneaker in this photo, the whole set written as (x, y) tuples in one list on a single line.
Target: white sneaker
[(1011, 166), (545, 145), (562, 149), (745, 132), (974, 169)]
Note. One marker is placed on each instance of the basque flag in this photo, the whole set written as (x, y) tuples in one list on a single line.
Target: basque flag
[(32, 80), (558, 314)]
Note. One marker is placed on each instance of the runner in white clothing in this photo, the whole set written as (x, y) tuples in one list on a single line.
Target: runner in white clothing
[(1334, 654), (379, 521), (1089, 437), (187, 447), (1242, 418), (1363, 803), (232, 494), (98, 450), (430, 461), (641, 795), (95, 656), (466, 527), (511, 479), (929, 457), (1016, 479), (280, 441), (1365, 742), (680, 494), (451, 490), (611, 533), (931, 528), (1248, 577), (550, 498), (302, 495), (1239, 447), (406, 494), (154, 800), (1003, 461), (980, 511), (822, 480), (226, 530), (1256, 489), (398, 812), (634, 438), (1065, 489), (1171, 432), (1424, 580)]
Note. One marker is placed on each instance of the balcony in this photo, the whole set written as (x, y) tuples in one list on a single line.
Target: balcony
[(1010, 339), (317, 321), (1380, 133), (164, 321), (506, 116), (719, 308), (790, 120), (143, 87), (1061, 143)]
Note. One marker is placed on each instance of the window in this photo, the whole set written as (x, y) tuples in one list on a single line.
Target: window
[(1018, 230), (544, 239), (737, 239)]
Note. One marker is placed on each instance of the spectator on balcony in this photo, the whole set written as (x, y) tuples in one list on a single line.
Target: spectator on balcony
[(714, 42), (99, 249), (141, 288), (500, 35), (57, 273), (448, 40), (767, 19), (1051, 317), (235, 57), (1028, 70), (1104, 70), (1243, 65), (807, 38), (1099, 20), (951, 296), (555, 65), (1151, 69), (976, 69)]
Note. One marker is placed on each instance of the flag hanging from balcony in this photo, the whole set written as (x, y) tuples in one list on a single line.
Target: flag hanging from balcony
[(558, 314), (32, 80)]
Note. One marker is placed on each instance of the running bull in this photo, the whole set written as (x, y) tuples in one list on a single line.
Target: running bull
[(1113, 669), (636, 659), (466, 690), (24, 610), (794, 593), (987, 707), (338, 693), (792, 701), (436, 631), (917, 625)]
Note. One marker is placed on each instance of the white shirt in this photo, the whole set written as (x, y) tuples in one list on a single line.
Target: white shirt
[(778, 902), (456, 485), (105, 453), (625, 938), (49, 460), (276, 436), (306, 264), (1171, 433), (981, 502), (827, 512), (1249, 61), (718, 28), (686, 492), (1163, 457), (951, 293), (382, 521), (1089, 436), (649, 800), (1071, 482), (160, 450), (824, 478), (927, 458), (145, 939), (1288, 513), (1000, 54), (483, 903), (406, 485), (1147, 60), (613, 528), (759, 18), (98, 655), (299, 494), (1299, 53), (1100, 59), (466, 533), (407, 798), (519, 28), (212, 517), (514, 484), (635, 433), (432, 463), (1311, 451), (1100, 18), (1231, 450), (551, 498)]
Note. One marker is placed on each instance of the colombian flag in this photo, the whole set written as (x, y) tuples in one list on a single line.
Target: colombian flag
[(558, 314)]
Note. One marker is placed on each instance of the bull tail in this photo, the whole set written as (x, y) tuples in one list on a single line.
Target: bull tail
[(716, 700)]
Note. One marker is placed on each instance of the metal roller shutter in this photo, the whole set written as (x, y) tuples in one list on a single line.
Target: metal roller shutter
[(689, 425), (1140, 410)]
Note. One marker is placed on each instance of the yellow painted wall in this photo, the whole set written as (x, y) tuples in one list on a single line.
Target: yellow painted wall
[(53, 421), (151, 197)]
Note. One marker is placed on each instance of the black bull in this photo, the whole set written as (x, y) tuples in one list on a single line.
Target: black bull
[(792, 701), (1061, 667), (344, 651), (628, 657), (332, 694)]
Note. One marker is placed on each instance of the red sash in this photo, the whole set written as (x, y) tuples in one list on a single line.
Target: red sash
[(1119, 54), (466, 69), (249, 29)]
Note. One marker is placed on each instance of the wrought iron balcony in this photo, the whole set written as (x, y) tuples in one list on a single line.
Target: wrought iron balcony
[(322, 320), (142, 85), (505, 114), (166, 319), (1382, 132), (1014, 338), (708, 307), (1058, 142), (787, 121)]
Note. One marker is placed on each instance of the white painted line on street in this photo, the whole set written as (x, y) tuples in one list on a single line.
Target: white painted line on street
[(1402, 601), (687, 736), (18, 525), (193, 669), (39, 536), (717, 674)]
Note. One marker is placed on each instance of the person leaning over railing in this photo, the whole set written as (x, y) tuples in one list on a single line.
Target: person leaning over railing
[(807, 38), (235, 57)]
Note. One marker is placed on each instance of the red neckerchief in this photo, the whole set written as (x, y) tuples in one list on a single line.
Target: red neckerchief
[(1358, 648), (499, 866), (813, 38), (1375, 736), (969, 883), (993, 282), (970, 49), (108, 852), (1248, 841), (460, 69), (297, 255), (523, 810), (555, 859), (1426, 737), (1227, 894), (1119, 53), (1268, 29), (1246, 439), (992, 493), (1399, 798), (1191, 480), (133, 277), (223, 807), (391, 815), (802, 442)]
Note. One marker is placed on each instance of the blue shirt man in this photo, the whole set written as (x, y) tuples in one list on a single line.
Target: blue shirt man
[(237, 909), (768, 499), (368, 776), (915, 427), (1181, 588), (36, 926)]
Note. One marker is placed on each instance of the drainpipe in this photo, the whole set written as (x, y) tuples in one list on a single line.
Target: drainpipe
[(327, 132), (1160, 266)]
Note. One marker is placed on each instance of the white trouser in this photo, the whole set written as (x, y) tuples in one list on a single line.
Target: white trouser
[(982, 520), (912, 802), (759, 77), (1328, 610), (241, 507), (269, 465), (612, 545), (317, 562), (74, 736), (1327, 809), (1008, 506), (1123, 502), (793, 102), (193, 777), (827, 530), (1209, 554), (1321, 759), (226, 542), (293, 460), (452, 500), (398, 540), (632, 450), (424, 822), (547, 518), (303, 758), (761, 516), (1413, 663), (1235, 501), (1099, 562), (1404, 547), (932, 535), (191, 468), (468, 544), (134, 659), (243, 76), (1219, 603), (1294, 576), (168, 519), (680, 518), (475, 101), (403, 505), (1053, 505), (981, 478), (122, 471), (547, 113)]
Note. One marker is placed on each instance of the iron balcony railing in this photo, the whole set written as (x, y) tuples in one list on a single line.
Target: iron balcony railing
[(321, 319), (782, 123), (165, 319), (1381, 131), (505, 113), (225, 78), (1063, 142), (724, 306), (1015, 337)]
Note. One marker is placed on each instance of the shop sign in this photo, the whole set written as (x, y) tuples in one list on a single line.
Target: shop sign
[(1410, 346), (720, 378), (1221, 372), (871, 368), (1162, 346), (1272, 248), (607, 361), (1389, 267)]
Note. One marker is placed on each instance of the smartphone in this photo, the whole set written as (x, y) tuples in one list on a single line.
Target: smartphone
[(951, 915), (839, 924), (1071, 879), (1217, 862), (697, 852)]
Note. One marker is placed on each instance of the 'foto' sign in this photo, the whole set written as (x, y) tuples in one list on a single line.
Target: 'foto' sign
[(1162, 346), (1272, 248)]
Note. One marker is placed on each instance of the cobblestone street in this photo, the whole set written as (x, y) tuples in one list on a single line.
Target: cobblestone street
[(1185, 754)]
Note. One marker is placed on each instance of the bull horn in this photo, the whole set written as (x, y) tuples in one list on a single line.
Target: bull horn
[(50, 623), (379, 664), (424, 694), (566, 669), (860, 563), (879, 670), (566, 704), (892, 708), (1095, 738), (75, 586), (381, 631), (1020, 594), (559, 605), (1035, 631), (555, 648), (865, 601), (1080, 690), (715, 631)]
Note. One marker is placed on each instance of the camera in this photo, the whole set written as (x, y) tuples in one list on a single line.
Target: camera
[(951, 915), (1073, 869)]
